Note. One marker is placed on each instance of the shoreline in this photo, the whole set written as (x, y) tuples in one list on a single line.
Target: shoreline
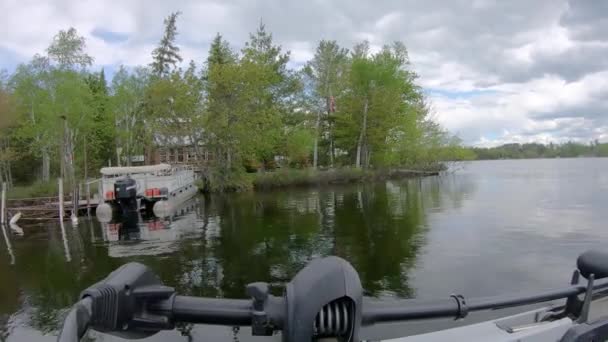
[(302, 178)]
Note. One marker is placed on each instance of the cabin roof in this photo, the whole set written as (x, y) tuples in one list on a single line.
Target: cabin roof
[(123, 170)]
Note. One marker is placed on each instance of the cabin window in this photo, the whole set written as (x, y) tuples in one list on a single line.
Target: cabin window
[(180, 155), (162, 155)]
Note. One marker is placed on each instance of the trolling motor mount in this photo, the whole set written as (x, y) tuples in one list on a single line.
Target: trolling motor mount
[(121, 302)]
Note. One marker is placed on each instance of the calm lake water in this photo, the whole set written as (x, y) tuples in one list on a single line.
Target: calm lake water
[(488, 228)]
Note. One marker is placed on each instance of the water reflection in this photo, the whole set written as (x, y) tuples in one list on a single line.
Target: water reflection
[(7, 242), (214, 246)]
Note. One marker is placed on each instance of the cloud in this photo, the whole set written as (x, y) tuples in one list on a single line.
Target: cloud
[(496, 71)]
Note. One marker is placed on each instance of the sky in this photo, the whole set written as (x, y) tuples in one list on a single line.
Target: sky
[(495, 71)]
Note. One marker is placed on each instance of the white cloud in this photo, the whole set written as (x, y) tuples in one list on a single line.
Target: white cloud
[(498, 71)]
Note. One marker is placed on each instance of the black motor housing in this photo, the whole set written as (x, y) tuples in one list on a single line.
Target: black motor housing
[(125, 188), (125, 192)]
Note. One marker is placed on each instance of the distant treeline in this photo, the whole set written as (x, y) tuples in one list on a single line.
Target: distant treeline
[(535, 150)]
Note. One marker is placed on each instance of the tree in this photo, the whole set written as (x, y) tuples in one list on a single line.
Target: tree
[(69, 93), (7, 115), (37, 126), (223, 106), (379, 103), (166, 55), (175, 106), (68, 50), (327, 69), (7, 119), (220, 52), (99, 147), (268, 90), (128, 104)]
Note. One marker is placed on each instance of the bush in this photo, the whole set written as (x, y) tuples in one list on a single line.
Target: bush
[(241, 181), (291, 177), (236, 181), (38, 189)]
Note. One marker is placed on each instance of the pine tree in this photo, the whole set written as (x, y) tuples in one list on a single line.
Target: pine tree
[(166, 55), (220, 52)]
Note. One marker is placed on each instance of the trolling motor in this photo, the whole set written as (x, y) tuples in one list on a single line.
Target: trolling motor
[(324, 300)]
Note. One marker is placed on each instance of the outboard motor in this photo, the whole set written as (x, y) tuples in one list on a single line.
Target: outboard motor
[(125, 192)]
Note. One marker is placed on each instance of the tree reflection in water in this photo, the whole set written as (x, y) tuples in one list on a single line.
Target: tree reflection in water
[(217, 244)]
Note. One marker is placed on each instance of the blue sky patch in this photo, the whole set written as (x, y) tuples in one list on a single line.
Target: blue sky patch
[(9, 60), (451, 94), (109, 36)]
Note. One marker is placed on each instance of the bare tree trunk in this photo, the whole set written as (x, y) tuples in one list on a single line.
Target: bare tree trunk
[(3, 177), (10, 174), (86, 166), (362, 135), (62, 152), (315, 155), (358, 156), (46, 165), (70, 156)]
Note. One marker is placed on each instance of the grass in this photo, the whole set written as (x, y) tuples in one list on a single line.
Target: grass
[(233, 182), (42, 189), (238, 182), (309, 177), (38, 189)]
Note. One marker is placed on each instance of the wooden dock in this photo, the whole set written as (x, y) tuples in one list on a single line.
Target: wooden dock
[(43, 209), (48, 208)]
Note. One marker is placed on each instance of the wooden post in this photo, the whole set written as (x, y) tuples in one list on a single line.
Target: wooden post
[(86, 166), (61, 210), (75, 201), (62, 149), (88, 199), (3, 205)]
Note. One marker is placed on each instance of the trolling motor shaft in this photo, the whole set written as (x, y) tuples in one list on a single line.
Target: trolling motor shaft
[(323, 300)]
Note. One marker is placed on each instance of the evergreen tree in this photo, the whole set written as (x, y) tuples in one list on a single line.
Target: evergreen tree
[(166, 55)]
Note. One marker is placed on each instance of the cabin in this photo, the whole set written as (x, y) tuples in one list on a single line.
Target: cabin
[(177, 155), (176, 151)]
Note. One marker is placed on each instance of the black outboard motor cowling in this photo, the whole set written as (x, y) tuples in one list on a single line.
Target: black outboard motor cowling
[(125, 192), (125, 188)]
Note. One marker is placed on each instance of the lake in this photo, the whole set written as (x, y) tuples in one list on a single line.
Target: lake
[(486, 228)]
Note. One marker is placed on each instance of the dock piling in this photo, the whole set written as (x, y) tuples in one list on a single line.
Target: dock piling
[(61, 210), (88, 199), (3, 205)]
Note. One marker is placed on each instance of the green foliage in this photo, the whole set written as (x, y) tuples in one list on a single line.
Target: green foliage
[(233, 181), (175, 109), (68, 50), (290, 177), (220, 52), (534, 150), (246, 101), (298, 147), (248, 109), (128, 107), (37, 189), (7, 114), (102, 135), (380, 111)]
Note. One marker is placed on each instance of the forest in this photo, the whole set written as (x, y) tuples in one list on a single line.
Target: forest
[(535, 150), (345, 108)]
